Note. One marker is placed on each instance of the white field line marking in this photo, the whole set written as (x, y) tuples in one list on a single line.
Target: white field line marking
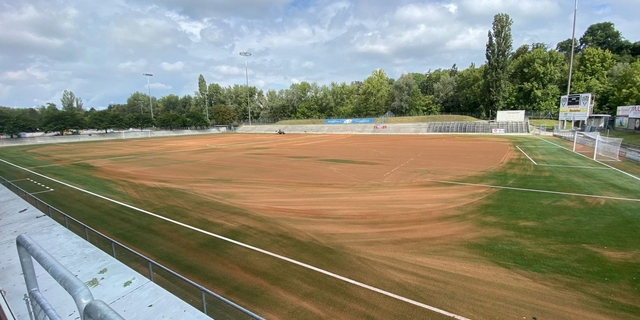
[(301, 264), (526, 155), (19, 180), (536, 190), (579, 167), (32, 193), (402, 165), (604, 164)]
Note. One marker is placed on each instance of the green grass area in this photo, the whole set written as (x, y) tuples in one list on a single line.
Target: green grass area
[(347, 161), (431, 118), (299, 122), (589, 244), (545, 123)]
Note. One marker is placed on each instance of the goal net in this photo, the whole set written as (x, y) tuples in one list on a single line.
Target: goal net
[(594, 145), (136, 134)]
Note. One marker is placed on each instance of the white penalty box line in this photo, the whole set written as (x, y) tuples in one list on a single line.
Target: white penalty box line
[(558, 166), (536, 190), (600, 162), (250, 247)]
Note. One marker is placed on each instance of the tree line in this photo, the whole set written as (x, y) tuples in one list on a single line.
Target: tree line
[(531, 77)]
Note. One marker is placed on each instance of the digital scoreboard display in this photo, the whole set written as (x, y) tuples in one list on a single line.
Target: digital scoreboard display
[(573, 100)]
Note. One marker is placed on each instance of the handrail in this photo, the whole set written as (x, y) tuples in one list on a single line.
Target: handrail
[(28, 249), (113, 242)]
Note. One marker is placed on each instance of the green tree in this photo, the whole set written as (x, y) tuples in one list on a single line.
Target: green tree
[(224, 115), (374, 95), (604, 35), (343, 96), (498, 51), (203, 94), (8, 123), (68, 101), (170, 121), (403, 89), (444, 92), (592, 70), (62, 121), (469, 89), (171, 104), (627, 90), (564, 47), (197, 120), (536, 78)]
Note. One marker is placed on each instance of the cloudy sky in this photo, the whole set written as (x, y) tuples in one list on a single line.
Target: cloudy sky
[(100, 49)]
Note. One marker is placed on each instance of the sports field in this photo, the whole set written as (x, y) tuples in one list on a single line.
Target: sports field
[(387, 226)]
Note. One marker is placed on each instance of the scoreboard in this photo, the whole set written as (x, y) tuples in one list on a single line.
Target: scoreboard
[(576, 107)]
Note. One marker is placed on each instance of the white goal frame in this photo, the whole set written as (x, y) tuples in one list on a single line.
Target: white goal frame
[(135, 134), (604, 148)]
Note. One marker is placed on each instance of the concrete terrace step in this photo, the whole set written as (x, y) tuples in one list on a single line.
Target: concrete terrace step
[(130, 294)]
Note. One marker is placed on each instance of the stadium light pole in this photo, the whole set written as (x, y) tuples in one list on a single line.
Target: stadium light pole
[(573, 46), (148, 75), (246, 54)]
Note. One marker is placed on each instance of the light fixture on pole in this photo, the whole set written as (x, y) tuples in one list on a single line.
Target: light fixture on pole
[(149, 88), (246, 54)]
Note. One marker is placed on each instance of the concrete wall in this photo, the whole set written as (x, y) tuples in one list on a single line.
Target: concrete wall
[(104, 136), (404, 128)]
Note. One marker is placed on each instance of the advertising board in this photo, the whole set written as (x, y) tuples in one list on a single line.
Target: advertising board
[(576, 107), (510, 116), (349, 121)]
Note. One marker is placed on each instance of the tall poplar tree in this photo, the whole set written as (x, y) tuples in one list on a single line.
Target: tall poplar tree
[(499, 47)]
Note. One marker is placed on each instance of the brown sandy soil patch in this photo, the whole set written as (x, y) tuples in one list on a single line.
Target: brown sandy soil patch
[(367, 196), (616, 255)]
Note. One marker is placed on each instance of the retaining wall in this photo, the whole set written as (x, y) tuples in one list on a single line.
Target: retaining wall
[(105, 136)]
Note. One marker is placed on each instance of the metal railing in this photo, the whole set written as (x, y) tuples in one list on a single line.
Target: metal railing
[(88, 308), (170, 280)]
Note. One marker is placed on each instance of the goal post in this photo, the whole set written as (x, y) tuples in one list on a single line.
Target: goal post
[(136, 134), (596, 146)]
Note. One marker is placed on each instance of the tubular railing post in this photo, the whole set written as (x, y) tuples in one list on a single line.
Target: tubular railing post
[(150, 270), (86, 233), (204, 301), (66, 221), (49, 210), (28, 249), (113, 250)]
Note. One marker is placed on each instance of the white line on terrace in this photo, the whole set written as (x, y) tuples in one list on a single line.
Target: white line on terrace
[(296, 262), (536, 190), (526, 155), (604, 164)]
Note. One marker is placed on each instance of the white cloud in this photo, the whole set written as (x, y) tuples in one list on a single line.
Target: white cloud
[(308, 64), (177, 66), (31, 73), (133, 66), (160, 86), (228, 70)]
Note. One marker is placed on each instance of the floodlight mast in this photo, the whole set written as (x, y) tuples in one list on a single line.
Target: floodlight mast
[(148, 75), (573, 49), (246, 54)]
